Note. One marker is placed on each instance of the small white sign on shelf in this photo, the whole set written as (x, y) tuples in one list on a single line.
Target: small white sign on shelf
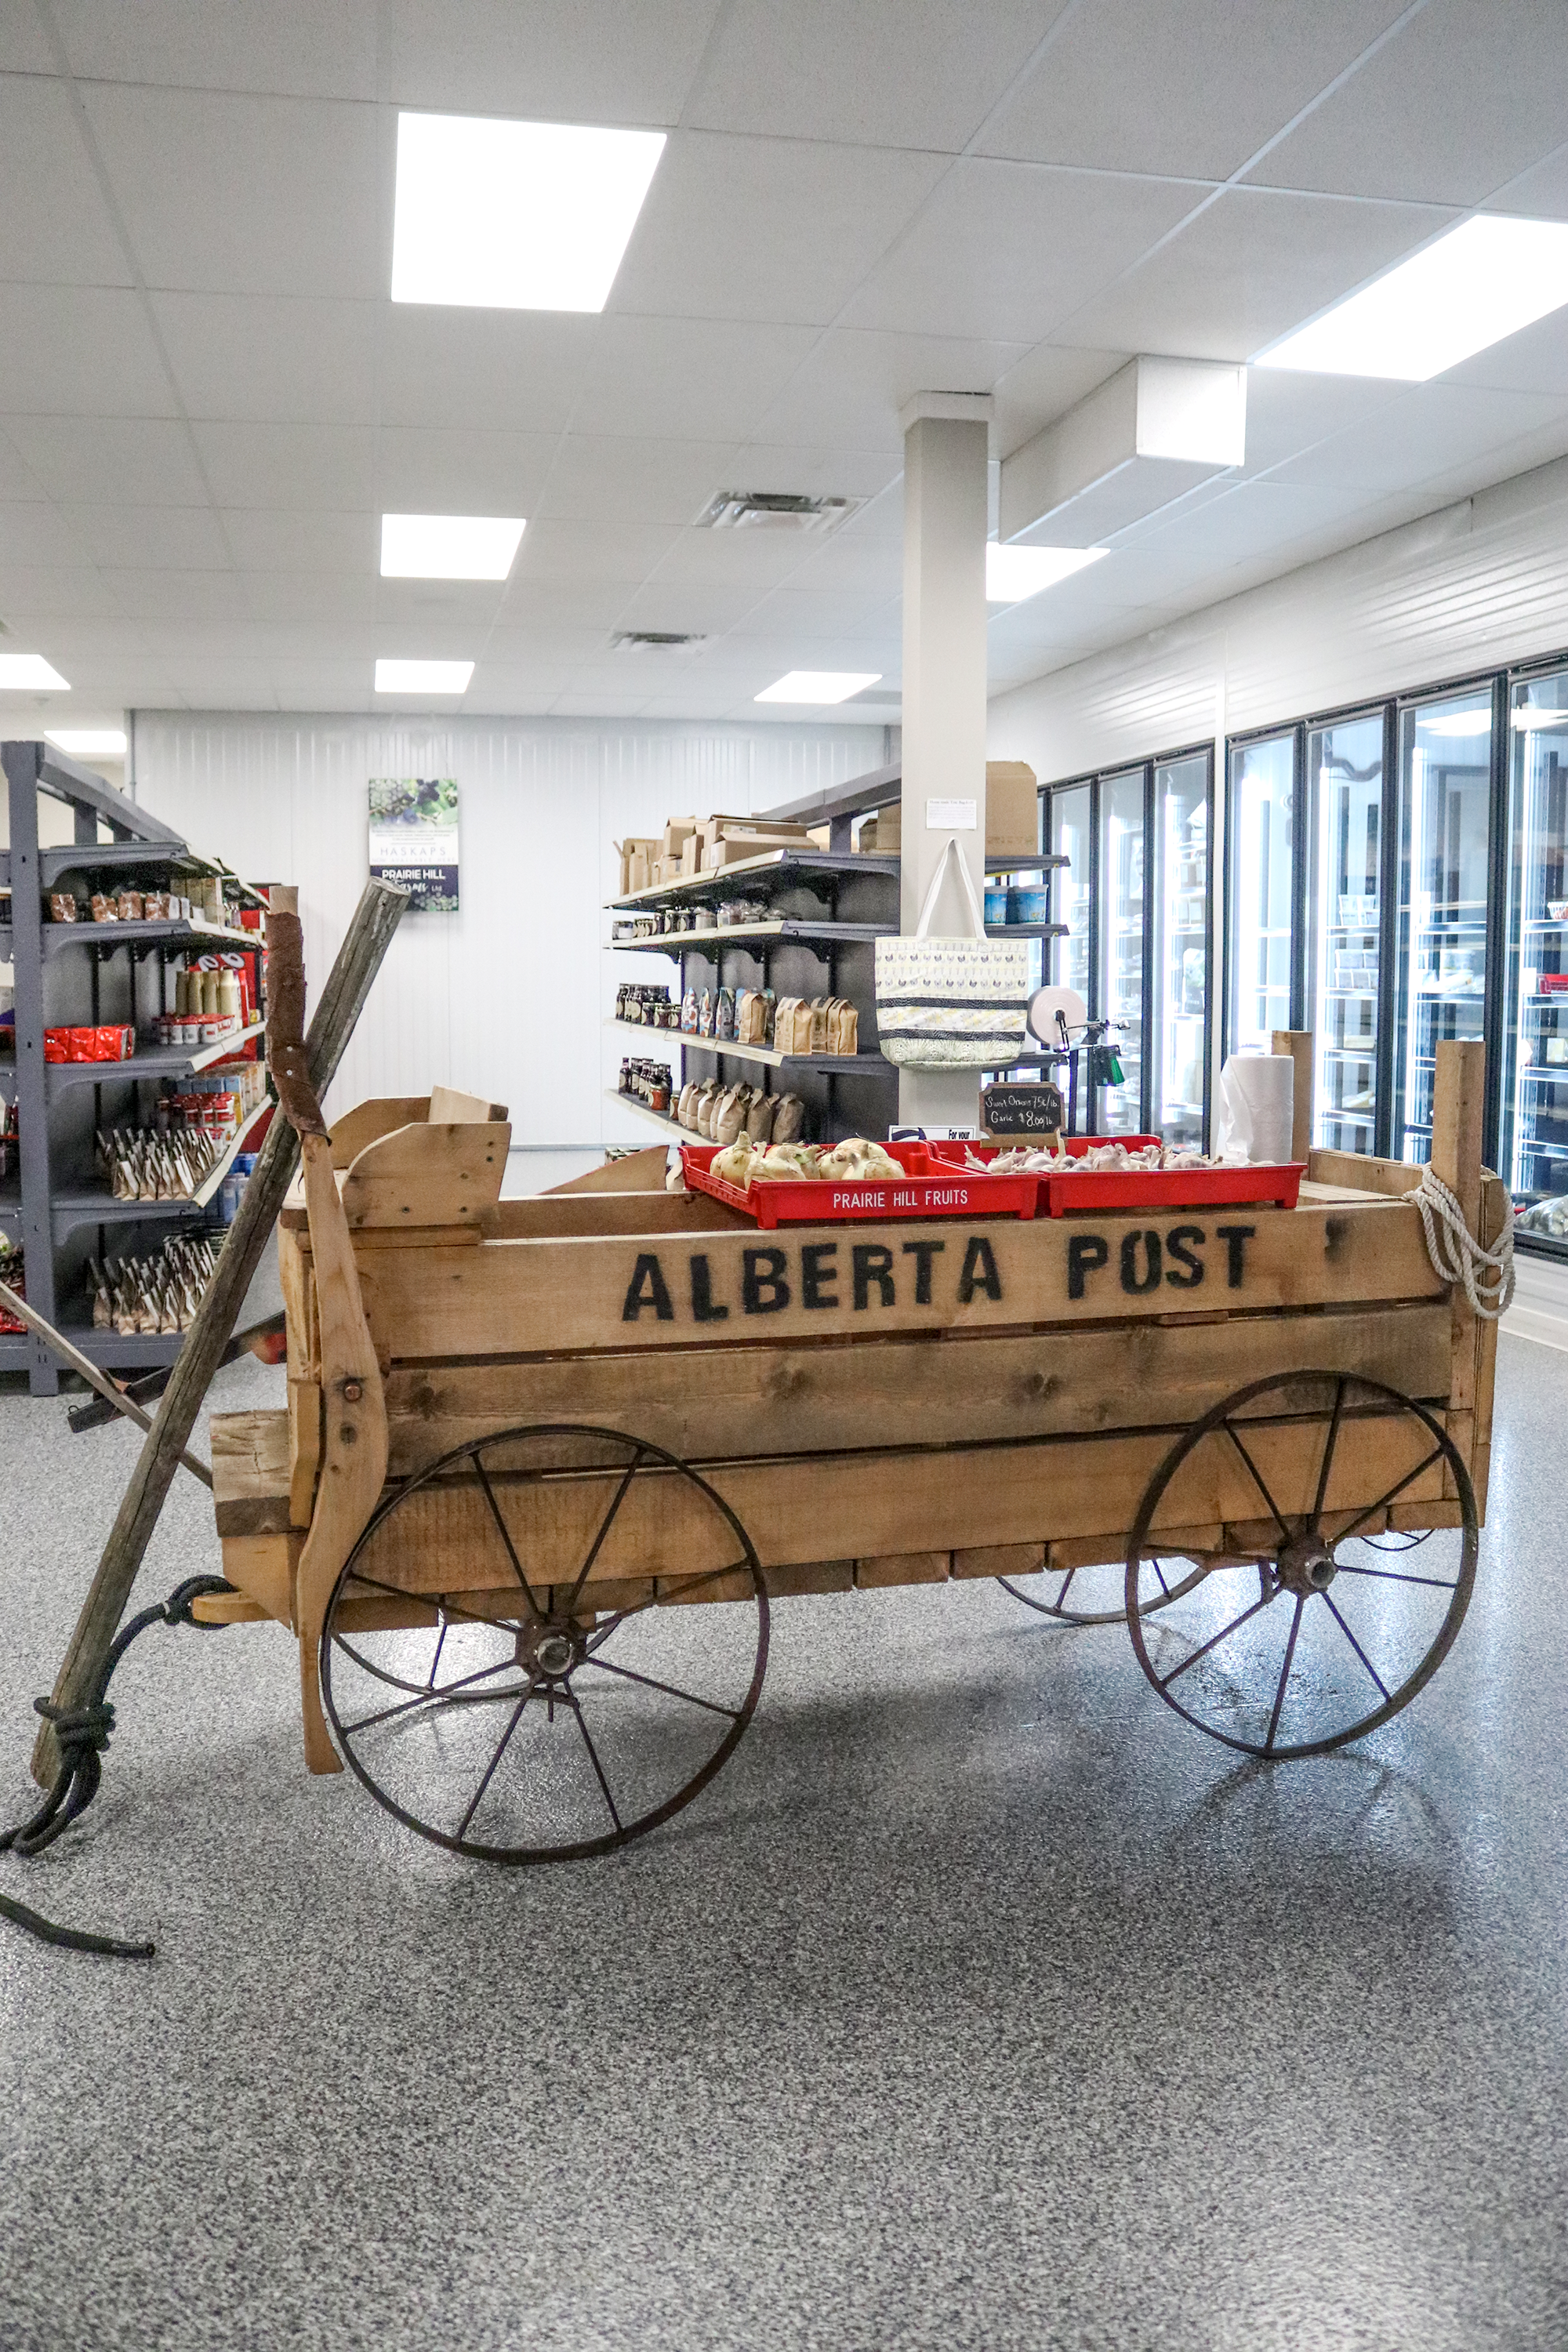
[(952, 816)]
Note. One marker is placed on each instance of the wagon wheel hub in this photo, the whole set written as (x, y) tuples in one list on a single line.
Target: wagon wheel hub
[(1305, 1565), (548, 1651)]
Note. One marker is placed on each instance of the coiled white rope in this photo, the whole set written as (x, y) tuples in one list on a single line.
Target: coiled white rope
[(1456, 1255)]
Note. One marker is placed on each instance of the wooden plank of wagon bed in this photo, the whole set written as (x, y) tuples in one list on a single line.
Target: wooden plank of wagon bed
[(939, 1389), (868, 1504), (507, 1298)]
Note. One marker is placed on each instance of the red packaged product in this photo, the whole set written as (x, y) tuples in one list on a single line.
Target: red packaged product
[(54, 1045)]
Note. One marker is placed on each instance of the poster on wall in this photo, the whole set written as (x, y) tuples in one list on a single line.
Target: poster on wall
[(414, 839)]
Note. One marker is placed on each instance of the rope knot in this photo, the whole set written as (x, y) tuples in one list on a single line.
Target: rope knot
[(1458, 1257), (79, 1730)]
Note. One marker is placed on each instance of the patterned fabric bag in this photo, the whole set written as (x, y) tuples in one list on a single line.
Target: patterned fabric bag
[(951, 1003)]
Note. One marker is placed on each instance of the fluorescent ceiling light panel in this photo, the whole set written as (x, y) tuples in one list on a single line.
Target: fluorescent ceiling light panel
[(1530, 719), (448, 547), (1455, 723), (817, 685), (1468, 289), (89, 742), (423, 677), (514, 215), (1014, 573), (20, 672)]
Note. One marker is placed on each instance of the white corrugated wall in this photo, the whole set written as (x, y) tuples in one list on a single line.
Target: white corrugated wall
[(508, 997)]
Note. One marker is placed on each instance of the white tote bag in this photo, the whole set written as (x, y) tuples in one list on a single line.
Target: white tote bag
[(951, 1003)]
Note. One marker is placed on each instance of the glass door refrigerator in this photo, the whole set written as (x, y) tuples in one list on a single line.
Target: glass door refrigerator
[(1069, 834), (1444, 873), (1178, 1008), (1266, 863), (1533, 1071), (1120, 866), (1345, 763)]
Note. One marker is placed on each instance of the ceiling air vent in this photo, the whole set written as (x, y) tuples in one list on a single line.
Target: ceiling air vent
[(652, 641), (774, 511)]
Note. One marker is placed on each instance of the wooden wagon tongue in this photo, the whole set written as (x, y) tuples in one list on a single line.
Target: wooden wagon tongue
[(354, 1438)]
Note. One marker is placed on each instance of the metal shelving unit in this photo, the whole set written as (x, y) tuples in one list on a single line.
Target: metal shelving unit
[(61, 972)]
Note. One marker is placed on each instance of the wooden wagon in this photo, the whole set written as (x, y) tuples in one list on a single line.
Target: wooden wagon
[(521, 1434)]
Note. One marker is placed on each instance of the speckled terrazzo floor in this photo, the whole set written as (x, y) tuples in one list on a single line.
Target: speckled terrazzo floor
[(978, 2004)]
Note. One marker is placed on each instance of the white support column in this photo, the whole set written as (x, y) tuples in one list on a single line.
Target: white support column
[(945, 447)]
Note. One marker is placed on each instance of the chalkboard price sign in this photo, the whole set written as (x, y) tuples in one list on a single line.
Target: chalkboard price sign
[(1028, 1111)]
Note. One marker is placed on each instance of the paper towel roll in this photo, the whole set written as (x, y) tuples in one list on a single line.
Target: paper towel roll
[(1256, 1108)]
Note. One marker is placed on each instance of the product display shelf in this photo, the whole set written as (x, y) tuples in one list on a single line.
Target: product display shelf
[(849, 1064), (671, 1127), (138, 1351), (156, 1062), (832, 906), (53, 989)]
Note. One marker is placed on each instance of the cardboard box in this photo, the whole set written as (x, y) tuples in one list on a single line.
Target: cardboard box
[(886, 830), (1012, 810), (691, 852), (678, 831), (637, 854)]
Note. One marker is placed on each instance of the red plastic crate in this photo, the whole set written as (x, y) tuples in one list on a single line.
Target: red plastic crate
[(929, 1189), (1137, 1187)]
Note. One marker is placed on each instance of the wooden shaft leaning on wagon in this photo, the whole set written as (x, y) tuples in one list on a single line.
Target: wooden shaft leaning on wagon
[(358, 961)]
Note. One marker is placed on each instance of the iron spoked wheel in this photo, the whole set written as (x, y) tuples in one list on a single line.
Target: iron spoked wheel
[(1095, 1595), (549, 1713), (1305, 1633)]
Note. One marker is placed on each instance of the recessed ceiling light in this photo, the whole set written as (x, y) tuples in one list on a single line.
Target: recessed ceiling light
[(423, 677), (1534, 716), (817, 685), (89, 742), (20, 671), (448, 547), (1468, 289), (514, 215), (1012, 573), (1454, 723)]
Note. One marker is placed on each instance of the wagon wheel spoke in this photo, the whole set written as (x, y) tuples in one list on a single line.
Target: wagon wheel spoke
[(594, 1757), (1163, 1681), (605, 1525), (1330, 1442), (1284, 1674), (489, 1773), (1066, 1588), (1395, 1576), (629, 1673), (1230, 1432), (1381, 1505), (1356, 1646), (602, 1633), (423, 1697), (505, 1535), (441, 1601), (436, 1661)]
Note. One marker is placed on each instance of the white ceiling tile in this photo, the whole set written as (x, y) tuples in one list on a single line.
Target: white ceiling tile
[(109, 460), (330, 465), (847, 565), (589, 551), (509, 648), (173, 538), (817, 611), (780, 229), (688, 607), (305, 48), (1428, 427), (1288, 413), (249, 196), (694, 379), (329, 596), (1535, 360), (555, 60), (506, 370), (1461, 99), (37, 535), (1191, 87), (850, 387), (270, 539), (28, 592), (1013, 249), (923, 74), (593, 603), (54, 227), (264, 357), (178, 596), (815, 473), (78, 351), (604, 476), (23, 44), (19, 484), (1251, 265), (1537, 195), (757, 559), (473, 604), (422, 470), (594, 705), (1044, 386)]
